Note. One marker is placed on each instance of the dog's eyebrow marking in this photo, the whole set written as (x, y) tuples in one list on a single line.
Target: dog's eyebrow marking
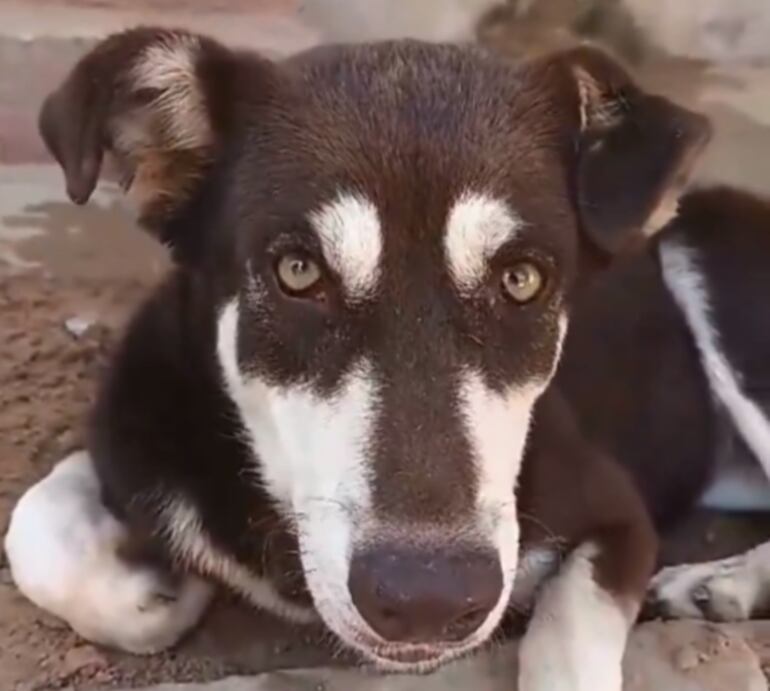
[(351, 237), (477, 226)]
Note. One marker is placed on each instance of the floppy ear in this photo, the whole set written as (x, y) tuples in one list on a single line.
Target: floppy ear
[(631, 151), (160, 102)]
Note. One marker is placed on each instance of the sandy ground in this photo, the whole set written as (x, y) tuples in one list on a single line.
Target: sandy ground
[(70, 276)]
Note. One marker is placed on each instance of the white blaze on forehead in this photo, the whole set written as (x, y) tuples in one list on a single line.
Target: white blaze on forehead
[(351, 237), (477, 226)]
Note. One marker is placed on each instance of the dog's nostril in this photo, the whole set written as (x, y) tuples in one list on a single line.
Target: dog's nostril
[(474, 617), (410, 596), (468, 622)]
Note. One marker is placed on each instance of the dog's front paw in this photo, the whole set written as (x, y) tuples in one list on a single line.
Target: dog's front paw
[(159, 614), (725, 590), (63, 548)]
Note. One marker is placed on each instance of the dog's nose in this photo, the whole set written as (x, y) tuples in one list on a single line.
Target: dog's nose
[(423, 597)]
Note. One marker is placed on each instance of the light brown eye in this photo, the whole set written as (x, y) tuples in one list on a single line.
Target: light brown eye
[(522, 282), (297, 273)]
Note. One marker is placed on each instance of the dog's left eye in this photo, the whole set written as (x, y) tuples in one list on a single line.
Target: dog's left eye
[(522, 282), (298, 274)]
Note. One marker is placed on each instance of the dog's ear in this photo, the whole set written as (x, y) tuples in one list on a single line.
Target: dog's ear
[(158, 101), (631, 151)]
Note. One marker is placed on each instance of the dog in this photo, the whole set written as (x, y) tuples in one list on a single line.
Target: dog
[(340, 403), (670, 348)]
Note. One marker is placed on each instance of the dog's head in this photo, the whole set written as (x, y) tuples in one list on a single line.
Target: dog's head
[(394, 232)]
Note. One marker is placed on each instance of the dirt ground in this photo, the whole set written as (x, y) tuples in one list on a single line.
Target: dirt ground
[(69, 277), (47, 376)]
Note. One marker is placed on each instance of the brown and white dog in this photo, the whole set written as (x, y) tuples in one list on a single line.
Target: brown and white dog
[(338, 404)]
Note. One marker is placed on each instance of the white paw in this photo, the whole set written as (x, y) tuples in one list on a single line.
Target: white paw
[(62, 549), (724, 590), (577, 635)]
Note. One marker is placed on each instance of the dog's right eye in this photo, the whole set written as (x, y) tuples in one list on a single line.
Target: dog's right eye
[(522, 282), (298, 275)]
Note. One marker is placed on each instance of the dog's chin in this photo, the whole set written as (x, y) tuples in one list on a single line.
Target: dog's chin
[(412, 659), (407, 658)]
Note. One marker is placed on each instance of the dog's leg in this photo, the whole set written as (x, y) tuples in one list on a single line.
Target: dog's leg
[(578, 632), (732, 589), (64, 548), (582, 614)]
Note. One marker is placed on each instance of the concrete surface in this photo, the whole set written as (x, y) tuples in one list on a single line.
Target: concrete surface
[(683, 656)]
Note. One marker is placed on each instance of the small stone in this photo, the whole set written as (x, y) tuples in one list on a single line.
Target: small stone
[(686, 658), (5, 576), (83, 656), (281, 647), (77, 326)]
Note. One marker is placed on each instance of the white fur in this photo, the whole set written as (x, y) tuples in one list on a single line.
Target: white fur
[(497, 427), (730, 589), (578, 632), (312, 453), (189, 541), (477, 227), (168, 66), (62, 549), (688, 287), (351, 237), (313, 461)]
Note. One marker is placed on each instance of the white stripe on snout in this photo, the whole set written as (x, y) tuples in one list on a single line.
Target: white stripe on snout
[(312, 455), (497, 425), (351, 237), (477, 226)]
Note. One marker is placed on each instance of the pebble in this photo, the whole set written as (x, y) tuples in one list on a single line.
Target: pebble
[(82, 656), (686, 658), (5, 576), (77, 326)]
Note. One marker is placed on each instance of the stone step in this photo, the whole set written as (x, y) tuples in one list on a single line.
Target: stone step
[(678, 656)]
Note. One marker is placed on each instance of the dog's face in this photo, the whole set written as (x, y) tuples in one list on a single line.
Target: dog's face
[(394, 232)]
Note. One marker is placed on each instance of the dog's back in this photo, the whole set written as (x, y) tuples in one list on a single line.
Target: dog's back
[(666, 362)]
